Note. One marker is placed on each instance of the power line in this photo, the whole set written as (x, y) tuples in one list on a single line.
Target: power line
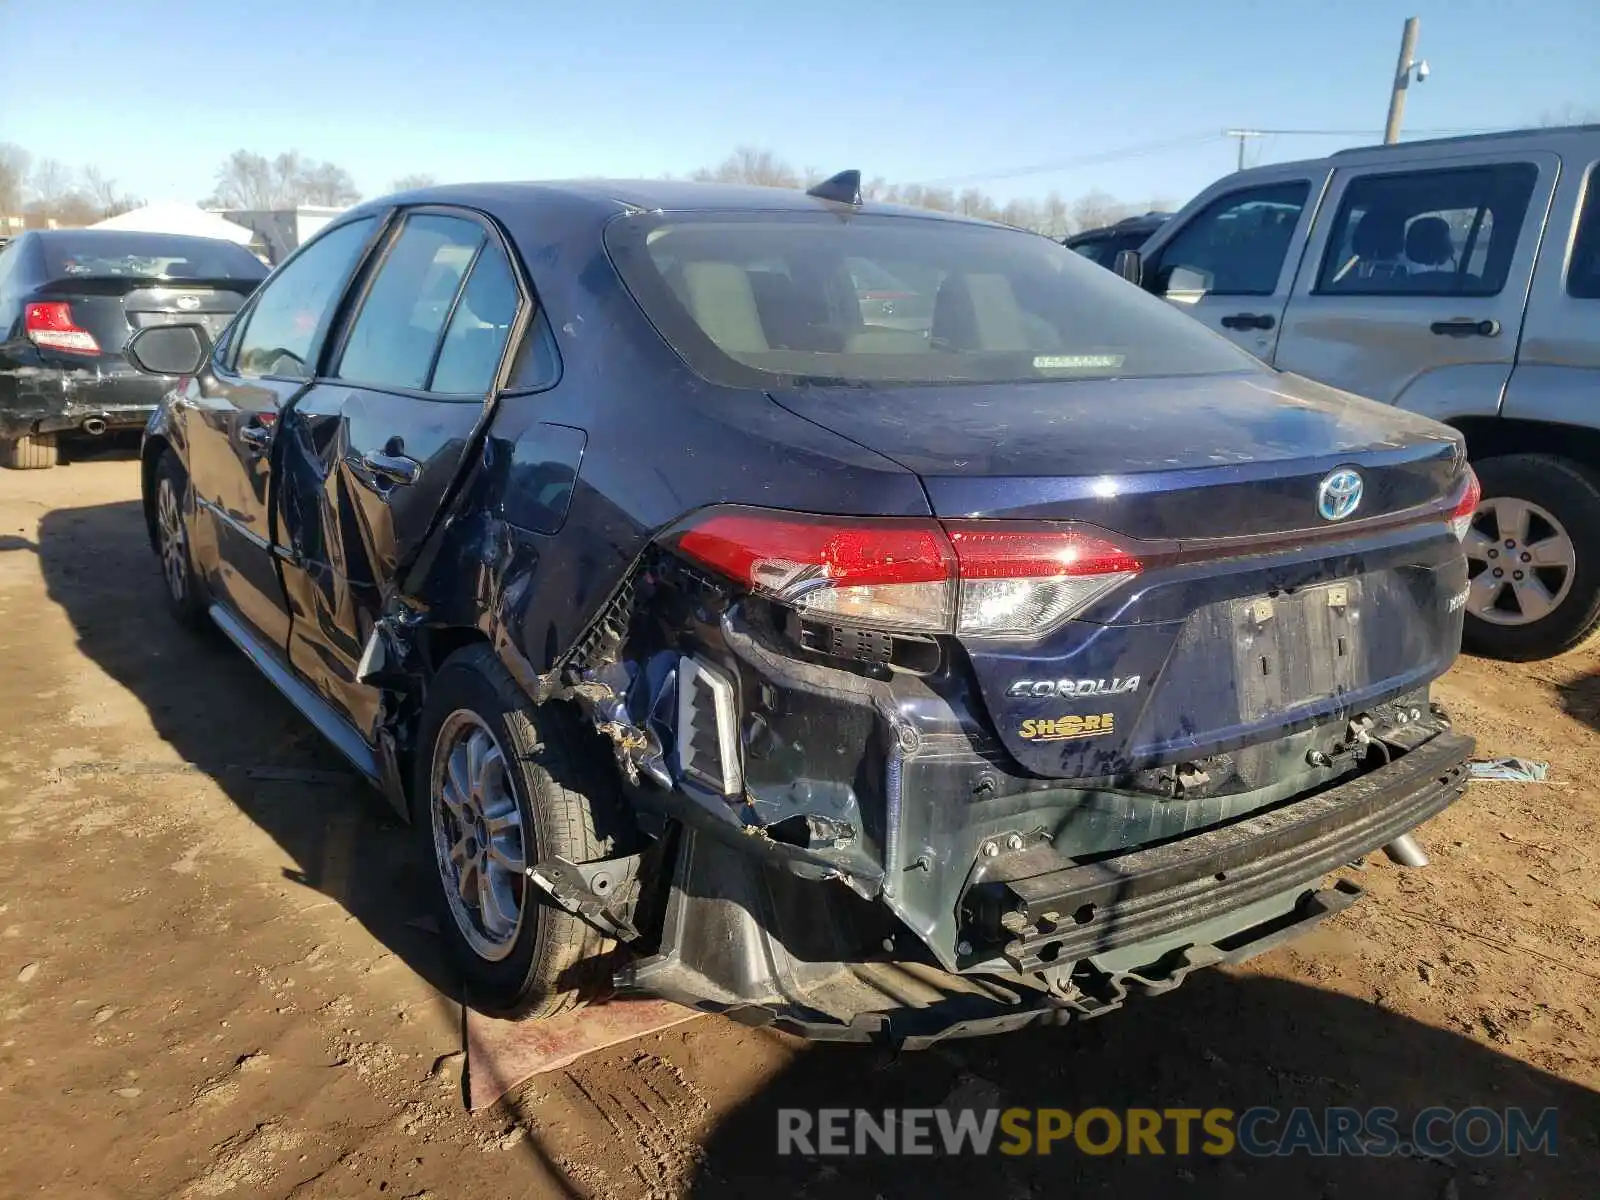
[(1068, 164), (1193, 139)]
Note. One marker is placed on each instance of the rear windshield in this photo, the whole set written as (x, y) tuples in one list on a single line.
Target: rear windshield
[(108, 255), (761, 299)]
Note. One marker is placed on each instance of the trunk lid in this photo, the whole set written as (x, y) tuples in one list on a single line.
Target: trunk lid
[(112, 309), (1254, 615), (1201, 457)]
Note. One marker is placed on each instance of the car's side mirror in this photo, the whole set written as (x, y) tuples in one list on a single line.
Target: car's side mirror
[(169, 349), (1130, 265)]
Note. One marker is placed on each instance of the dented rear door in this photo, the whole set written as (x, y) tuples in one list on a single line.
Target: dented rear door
[(370, 456)]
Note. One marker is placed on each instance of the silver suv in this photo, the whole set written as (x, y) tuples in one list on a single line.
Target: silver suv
[(1459, 278)]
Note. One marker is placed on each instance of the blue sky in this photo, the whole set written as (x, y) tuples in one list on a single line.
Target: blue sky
[(158, 94)]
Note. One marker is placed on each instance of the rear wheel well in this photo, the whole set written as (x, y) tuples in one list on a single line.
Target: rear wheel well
[(443, 641), (1490, 437)]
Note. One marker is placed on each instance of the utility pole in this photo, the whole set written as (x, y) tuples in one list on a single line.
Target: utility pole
[(1402, 80), (1241, 134)]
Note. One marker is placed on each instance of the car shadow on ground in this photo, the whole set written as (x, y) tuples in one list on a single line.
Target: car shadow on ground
[(1232, 1041), (223, 718), (1580, 699)]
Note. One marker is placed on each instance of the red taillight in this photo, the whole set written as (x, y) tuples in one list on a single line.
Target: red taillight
[(1461, 515), (895, 573), (50, 324), (982, 578)]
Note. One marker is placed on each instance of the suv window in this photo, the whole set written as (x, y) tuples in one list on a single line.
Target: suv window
[(294, 304), (1236, 246), (475, 341), (1583, 276), (397, 332), (1428, 233)]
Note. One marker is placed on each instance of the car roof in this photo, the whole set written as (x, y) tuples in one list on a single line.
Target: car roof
[(608, 196)]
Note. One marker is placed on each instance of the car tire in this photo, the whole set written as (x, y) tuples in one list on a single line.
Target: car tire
[(532, 786), (31, 452), (186, 598), (1562, 499)]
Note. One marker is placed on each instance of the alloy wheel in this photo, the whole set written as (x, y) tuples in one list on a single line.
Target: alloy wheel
[(1520, 562), (478, 840), (172, 539)]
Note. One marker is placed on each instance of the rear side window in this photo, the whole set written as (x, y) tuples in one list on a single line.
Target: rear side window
[(294, 304), (107, 254), (475, 340), (754, 299), (397, 332), (1428, 233), (1583, 275), (1236, 246)]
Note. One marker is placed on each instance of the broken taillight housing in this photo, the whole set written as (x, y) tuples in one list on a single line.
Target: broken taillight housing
[(976, 578), (50, 324), (1461, 515)]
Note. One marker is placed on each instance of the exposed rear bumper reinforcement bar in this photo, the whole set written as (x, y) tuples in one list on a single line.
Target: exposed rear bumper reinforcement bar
[(1076, 912)]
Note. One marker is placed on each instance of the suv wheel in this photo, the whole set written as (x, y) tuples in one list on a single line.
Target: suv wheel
[(1533, 558), (184, 595), (32, 452), (498, 786)]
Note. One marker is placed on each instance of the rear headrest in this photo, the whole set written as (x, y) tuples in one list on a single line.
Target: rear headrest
[(1380, 234), (724, 306), (978, 312), (1428, 242)]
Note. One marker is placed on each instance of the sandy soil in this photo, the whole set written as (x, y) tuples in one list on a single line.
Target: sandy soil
[(213, 981)]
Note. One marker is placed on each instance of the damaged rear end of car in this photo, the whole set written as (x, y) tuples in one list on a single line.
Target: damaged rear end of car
[(1154, 660)]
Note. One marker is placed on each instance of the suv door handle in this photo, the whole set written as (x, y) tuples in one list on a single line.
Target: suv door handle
[(1249, 321), (257, 438), (1466, 327), (392, 468)]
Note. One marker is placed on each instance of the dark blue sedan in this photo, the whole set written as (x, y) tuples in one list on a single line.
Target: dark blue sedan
[(722, 641)]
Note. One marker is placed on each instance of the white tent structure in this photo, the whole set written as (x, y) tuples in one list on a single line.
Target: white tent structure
[(178, 218)]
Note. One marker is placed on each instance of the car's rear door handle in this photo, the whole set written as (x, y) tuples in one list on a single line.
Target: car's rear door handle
[(1249, 321), (392, 468), (1466, 327), (257, 438)]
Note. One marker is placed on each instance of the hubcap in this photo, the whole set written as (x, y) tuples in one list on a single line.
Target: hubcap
[(1520, 562), (477, 835), (172, 539)]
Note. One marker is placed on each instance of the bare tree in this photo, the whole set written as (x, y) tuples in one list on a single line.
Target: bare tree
[(1057, 222), (747, 164), (252, 181), (52, 182), (14, 163), (1052, 216), (410, 183), (328, 184), (1095, 208), (102, 192), (246, 180)]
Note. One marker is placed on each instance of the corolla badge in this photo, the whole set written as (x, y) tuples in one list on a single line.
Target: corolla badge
[(1339, 494)]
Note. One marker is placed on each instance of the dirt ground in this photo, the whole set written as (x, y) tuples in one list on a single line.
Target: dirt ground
[(213, 980)]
